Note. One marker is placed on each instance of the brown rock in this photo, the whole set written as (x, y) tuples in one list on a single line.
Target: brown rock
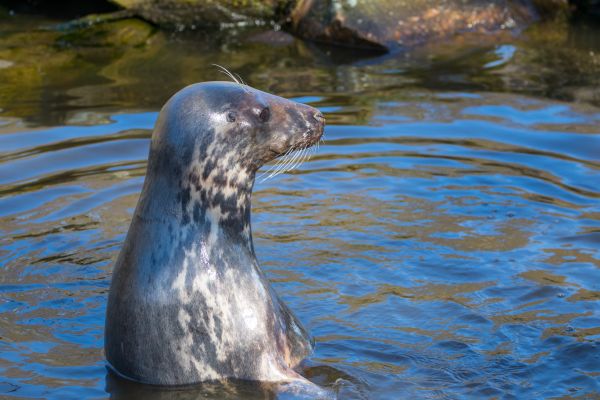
[(395, 25)]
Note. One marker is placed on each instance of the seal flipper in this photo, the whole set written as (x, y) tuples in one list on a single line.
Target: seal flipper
[(299, 343)]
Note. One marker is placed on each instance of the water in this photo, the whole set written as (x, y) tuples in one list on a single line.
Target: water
[(444, 242)]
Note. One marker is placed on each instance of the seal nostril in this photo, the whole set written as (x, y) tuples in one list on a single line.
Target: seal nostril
[(319, 116)]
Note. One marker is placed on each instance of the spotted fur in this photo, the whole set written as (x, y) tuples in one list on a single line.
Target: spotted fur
[(188, 301)]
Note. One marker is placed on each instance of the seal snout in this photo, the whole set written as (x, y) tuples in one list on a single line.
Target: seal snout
[(319, 117), (316, 130)]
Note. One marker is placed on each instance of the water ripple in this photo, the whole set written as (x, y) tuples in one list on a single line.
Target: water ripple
[(445, 246)]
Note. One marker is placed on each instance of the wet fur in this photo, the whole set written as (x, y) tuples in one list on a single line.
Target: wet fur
[(188, 301)]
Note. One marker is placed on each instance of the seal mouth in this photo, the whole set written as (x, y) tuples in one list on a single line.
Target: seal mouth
[(309, 139), (295, 155)]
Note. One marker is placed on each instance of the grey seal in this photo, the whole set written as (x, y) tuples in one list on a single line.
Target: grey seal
[(188, 302)]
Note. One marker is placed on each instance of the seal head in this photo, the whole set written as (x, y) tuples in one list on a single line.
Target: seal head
[(188, 301)]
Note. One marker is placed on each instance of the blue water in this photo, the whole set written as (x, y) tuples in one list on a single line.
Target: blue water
[(443, 243)]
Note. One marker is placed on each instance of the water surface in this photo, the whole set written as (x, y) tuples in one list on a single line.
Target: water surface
[(443, 243)]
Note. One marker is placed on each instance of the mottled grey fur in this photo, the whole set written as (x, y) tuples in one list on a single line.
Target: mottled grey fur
[(188, 302)]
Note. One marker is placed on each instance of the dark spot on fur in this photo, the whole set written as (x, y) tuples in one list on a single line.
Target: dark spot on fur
[(208, 167), (246, 213), (220, 179), (199, 212), (185, 198), (187, 155), (205, 141), (195, 179)]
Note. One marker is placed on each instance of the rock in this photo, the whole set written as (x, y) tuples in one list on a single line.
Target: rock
[(391, 25), (105, 30), (185, 14)]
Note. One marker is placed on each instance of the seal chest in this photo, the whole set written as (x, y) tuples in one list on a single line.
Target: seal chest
[(188, 301)]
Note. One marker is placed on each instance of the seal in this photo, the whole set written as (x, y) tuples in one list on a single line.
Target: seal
[(188, 302)]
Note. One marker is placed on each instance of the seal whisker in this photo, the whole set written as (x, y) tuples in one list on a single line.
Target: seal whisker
[(234, 77), (270, 168), (243, 83), (289, 160), (307, 156), (266, 173), (282, 161), (290, 163), (311, 153), (299, 160), (273, 168), (304, 156), (294, 160), (301, 156), (282, 165), (226, 72), (240, 79)]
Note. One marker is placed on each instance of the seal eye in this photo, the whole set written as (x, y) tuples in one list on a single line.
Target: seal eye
[(265, 114), (231, 117)]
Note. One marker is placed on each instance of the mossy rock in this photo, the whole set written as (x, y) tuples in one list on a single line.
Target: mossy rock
[(205, 13), (107, 32)]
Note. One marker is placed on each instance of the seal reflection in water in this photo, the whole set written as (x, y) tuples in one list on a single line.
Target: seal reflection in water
[(188, 301)]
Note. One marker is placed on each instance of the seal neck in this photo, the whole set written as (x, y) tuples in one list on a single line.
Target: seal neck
[(205, 197), (218, 205), (201, 213)]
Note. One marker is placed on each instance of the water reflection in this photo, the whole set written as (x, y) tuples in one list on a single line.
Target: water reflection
[(338, 384), (443, 243)]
